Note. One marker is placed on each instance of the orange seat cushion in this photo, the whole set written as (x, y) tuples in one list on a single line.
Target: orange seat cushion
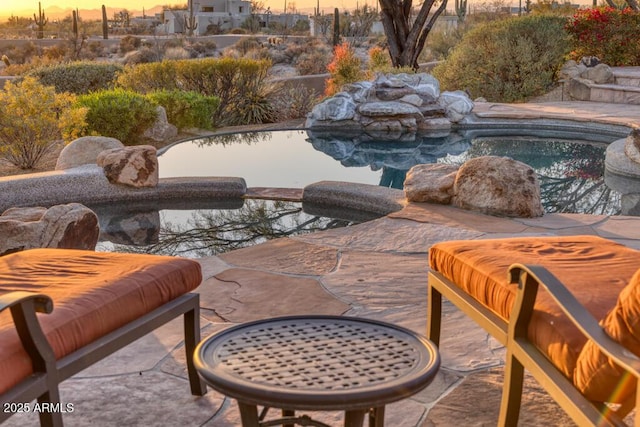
[(93, 294), (595, 270), (596, 375)]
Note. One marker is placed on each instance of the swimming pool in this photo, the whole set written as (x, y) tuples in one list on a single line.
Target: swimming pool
[(570, 169)]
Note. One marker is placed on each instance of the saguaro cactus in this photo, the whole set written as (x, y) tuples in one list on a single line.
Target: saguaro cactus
[(190, 23), (336, 27), (74, 23), (105, 23), (461, 10), (40, 21)]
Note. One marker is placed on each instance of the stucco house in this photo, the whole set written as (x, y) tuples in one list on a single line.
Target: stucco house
[(225, 14)]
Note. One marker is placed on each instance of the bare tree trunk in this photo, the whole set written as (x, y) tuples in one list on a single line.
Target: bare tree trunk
[(407, 41)]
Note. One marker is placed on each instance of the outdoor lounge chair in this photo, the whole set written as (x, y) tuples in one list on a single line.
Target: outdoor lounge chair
[(542, 298), (97, 303)]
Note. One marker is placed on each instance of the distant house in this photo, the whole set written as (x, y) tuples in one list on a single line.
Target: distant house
[(225, 14)]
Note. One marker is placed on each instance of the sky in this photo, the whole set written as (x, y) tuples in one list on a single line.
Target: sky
[(27, 7)]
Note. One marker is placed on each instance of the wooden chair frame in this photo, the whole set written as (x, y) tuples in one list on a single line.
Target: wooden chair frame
[(523, 354), (49, 372)]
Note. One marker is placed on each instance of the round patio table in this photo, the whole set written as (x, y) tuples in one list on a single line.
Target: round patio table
[(316, 363)]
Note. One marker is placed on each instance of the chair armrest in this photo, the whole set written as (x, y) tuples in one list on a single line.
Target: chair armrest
[(42, 303), (529, 276), (23, 306)]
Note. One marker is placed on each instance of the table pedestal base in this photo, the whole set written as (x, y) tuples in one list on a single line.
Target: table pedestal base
[(353, 418)]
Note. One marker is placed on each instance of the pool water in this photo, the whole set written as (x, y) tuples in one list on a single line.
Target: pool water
[(570, 170), (208, 231)]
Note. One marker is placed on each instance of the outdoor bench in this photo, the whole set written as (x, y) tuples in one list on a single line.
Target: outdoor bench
[(92, 304), (567, 309)]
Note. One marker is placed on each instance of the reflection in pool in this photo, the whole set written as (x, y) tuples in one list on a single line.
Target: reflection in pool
[(570, 165), (210, 229)]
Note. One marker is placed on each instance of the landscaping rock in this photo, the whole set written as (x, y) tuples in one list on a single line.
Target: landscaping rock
[(498, 186), (456, 104), (599, 74), (161, 130), (70, 226), (410, 101), (632, 145), (431, 183), (84, 151), (133, 166)]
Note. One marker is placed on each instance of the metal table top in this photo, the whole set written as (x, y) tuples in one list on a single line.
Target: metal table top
[(317, 362)]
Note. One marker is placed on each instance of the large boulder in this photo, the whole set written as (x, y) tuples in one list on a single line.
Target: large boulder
[(498, 186), (84, 151), (70, 226), (161, 130), (457, 104), (431, 183), (632, 145), (135, 166)]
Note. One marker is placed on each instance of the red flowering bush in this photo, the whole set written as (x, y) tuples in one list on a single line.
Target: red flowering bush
[(606, 32), (345, 68)]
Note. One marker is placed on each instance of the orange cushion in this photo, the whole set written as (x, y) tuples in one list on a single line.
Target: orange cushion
[(595, 270), (596, 376), (93, 294)]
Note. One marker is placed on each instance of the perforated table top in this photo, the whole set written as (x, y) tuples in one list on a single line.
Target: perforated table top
[(317, 362)]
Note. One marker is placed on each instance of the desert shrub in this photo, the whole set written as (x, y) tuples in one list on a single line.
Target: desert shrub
[(237, 31), (149, 77), (345, 68), (187, 109), (129, 43), (314, 62), (204, 47), (294, 102), (608, 33), (21, 54), (118, 113), (33, 119), (246, 44), (238, 83), (78, 77), (176, 53), (143, 55), (507, 60)]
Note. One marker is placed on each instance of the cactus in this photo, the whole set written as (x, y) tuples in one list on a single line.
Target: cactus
[(74, 23), (336, 27), (105, 23), (461, 10), (190, 23), (40, 21)]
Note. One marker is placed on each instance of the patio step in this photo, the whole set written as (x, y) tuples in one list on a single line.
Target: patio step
[(615, 94), (624, 90)]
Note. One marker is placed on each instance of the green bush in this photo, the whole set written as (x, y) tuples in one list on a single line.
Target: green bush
[(33, 119), (240, 84), (508, 60), (608, 33), (187, 109), (78, 77), (118, 113)]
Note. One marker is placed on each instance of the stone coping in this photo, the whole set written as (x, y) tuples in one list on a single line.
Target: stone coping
[(88, 185)]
